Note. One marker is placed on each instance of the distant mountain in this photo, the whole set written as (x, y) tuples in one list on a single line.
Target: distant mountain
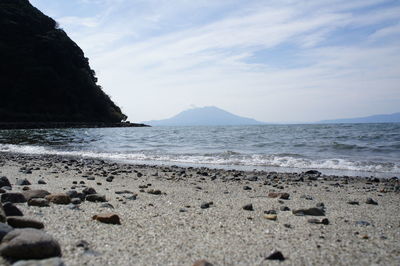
[(384, 118), (204, 116)]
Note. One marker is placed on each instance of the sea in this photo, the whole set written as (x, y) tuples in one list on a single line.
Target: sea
[(338, 149)]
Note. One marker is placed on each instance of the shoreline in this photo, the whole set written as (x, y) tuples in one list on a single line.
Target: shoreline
[(173, 228), (54, 125)]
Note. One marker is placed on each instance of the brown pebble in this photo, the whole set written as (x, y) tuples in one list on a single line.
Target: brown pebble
[(60, 198), (202, 263), (108, 218)]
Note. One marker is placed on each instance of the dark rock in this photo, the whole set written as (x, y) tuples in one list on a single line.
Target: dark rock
[(202, 263), (2, 191), (123, 192), (363, 223), (90, 178), (352, 202), (4, 182), (22, 222), (4, 229), (280, 195), (310, 211), (47, 262), (312, 172), (248, 207), (371, 201), (25, 188), (83, 244), (89, 191), (252, 178), (38, 202), (72, 194), (36, 193), (60, 198), (276, 255), (285, 208), (12, 210), (205, 205), (324, 221), (109, 179), (154, 191), (29, 243), (96, 198), (246, 188), (23, 182), (270, 212), (2, 214), (13, 197), (108, 218), (76, 201), (41, 182)]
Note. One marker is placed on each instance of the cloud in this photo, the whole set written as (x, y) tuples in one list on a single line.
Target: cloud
[(158, 57)]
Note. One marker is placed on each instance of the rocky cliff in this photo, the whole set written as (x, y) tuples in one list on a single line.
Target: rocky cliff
[(44, 75)]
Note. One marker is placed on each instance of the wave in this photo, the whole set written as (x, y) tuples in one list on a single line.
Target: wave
[(227, 158)]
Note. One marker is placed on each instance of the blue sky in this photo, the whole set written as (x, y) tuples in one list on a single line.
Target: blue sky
[(275, 61)]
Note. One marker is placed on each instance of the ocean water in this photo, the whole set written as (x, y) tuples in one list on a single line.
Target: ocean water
[(345, 149)]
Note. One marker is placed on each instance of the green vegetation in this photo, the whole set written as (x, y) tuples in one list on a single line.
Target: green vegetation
[(44, 75)]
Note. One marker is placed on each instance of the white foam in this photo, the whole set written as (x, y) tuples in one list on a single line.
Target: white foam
[(225, 158)]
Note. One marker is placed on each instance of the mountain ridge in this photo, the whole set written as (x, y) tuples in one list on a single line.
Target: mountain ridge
[(378, 118), (204, 116)]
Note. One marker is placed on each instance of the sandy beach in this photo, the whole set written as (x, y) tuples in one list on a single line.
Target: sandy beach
[(175, 216)]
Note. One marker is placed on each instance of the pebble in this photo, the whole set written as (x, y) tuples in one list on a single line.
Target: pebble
[(76, 201), (248, 207), (371, 201), (22, 222), (109, 179), (272, 217), (96, 198), (284, 208), (202, 263), (246, 188), (12, 210), (107, 205), (4, 182), (13, 197), (47, 262), (4, 229), (89, 191), (2, 214), (307, 197), (352, 202), (324, 221), (280, 195), (205, 205), (41, 182), (108, 218), (363, 223), (29, 243), (38, 202), (276, 255), (310, 211), (23, 182), (36, 193), (60, 198), (154, 191)]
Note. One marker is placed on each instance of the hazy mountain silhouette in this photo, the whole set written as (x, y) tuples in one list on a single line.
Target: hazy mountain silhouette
[(44, 75), (204, 116), (383, 118)]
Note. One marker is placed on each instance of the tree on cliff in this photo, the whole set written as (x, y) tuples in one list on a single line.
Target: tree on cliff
[(44, 75)]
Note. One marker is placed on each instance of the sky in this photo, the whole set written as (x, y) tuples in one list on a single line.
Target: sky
[(274, 61)]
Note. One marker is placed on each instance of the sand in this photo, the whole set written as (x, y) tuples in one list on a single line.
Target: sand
[(173, 229)]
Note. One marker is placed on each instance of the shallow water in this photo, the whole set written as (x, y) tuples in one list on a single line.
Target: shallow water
[(352, 149)]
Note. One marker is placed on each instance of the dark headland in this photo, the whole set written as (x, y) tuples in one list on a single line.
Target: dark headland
[(46, 80)]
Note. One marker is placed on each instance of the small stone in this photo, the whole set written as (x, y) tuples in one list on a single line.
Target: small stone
[(364, 237), (363, 223), (26, 188), (202, 263), (13, 197), (21, 222), (4, 182), (4, 229), (284, 208), (205, 205), (29, 244), (23, 182), (324, 221), (41, 182), (154, 191), (271, 217), (47, 262), (38, 202), (276, 255), (108, 218), (83, 244), (89, 191), (107, 205), (280, 195), (12, 210), (90, 178), (35, 193), (270, 212), (96, 198), (248, 207), (246, 188), (60, 198), (310, 211), (109, 179), (352, 202), (371, 201), (76, 201), (307, 197)]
